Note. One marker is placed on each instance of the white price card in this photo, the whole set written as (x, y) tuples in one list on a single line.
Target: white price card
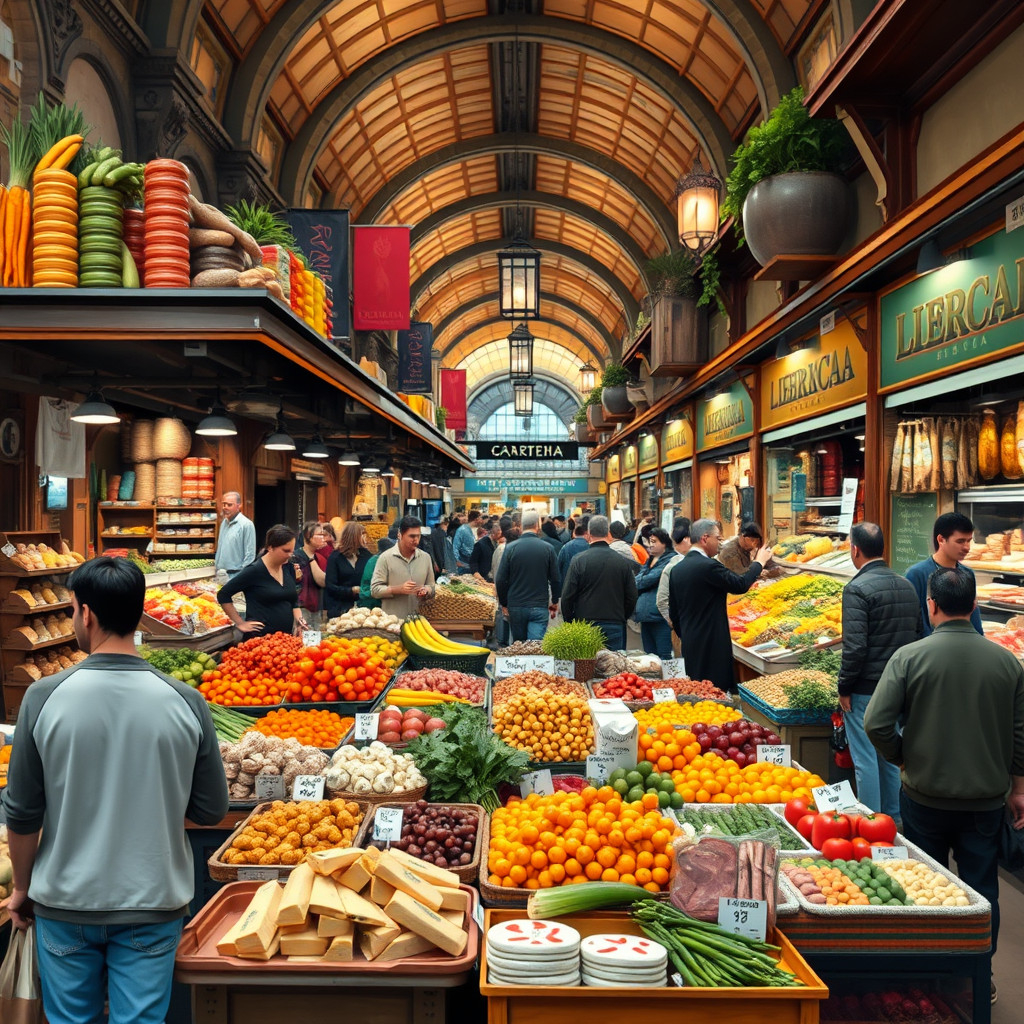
[(677, 980), (1014, 220), (889, 853), (849, 503), (9, 550), (599, 767), (138, 638), (663, 695), (744, 917), (308, 787), (387, 824), (478, 916), (512, 665), (834, 797), (269, 787), (775, 753), (311, 638), (673, 668), (537, 782), (250, 874), (565, 668), (366, 726)]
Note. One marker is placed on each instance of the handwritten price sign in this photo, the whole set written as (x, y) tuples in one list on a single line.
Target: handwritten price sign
[(744, 917), (308, 787), (387, 824), (269, 787), (366, 726)]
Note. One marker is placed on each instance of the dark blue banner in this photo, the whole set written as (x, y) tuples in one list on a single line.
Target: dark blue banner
[(414, 348), (323, 236)]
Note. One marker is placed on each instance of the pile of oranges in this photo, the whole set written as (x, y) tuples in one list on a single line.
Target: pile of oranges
[(315, 728), (565, 838), (718, 780), (668, 713)]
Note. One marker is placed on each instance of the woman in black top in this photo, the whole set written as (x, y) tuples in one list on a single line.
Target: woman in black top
[(271, 592), (345, 569)]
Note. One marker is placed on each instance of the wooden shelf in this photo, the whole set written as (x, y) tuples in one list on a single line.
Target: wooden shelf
[(795, 268), (10, 609), (64, 570), (127, 536), (16, 642), (186, 536)]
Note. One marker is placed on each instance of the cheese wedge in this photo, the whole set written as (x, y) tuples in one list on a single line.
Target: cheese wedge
[(452, 899), (358, 876), (409, 913), (440, 877), (340, 950), (373, 941), (295, 898), (306, 943), (258, 925), (263, 954), (324, 897), (392, 871), (326, 862), (304, 959), (381, 892), (329, 927), (299, 926), (456, 917), (226, 943), (361, 910), (407, 944)]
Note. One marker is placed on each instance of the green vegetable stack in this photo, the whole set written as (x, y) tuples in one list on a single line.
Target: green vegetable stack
[(188, 666), (633, 783), (573, 641), (813, 696), (739, 820)]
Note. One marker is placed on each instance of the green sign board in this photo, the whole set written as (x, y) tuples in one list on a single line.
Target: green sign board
[(648, 454), (910, 535), (963, 313), (726, 417)]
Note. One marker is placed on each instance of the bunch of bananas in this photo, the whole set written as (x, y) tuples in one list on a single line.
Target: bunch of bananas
[(420, 637)]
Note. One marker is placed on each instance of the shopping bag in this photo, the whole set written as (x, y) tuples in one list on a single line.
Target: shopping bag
[(21, 1000)]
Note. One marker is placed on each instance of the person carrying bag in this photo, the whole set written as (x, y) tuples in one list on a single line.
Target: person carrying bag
[(21, 1000)]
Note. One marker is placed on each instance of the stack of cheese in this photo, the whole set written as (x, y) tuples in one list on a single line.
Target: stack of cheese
[(389, 904), (611, 961), (524, 952)]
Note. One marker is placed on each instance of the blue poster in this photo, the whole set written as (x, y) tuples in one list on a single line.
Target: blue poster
[(798, 500), (414, 366)]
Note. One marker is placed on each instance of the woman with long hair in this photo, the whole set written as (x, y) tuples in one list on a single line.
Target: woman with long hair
[(345, 569), (330, 543), (311, 583), (655, 632)]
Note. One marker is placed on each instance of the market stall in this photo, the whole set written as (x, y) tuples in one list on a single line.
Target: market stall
[(677, 448), (725, 422)]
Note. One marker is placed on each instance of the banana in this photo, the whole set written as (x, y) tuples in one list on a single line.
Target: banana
[(425, 640), (454, 646)]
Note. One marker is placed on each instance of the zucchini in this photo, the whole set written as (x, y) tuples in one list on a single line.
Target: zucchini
[(104, 169)]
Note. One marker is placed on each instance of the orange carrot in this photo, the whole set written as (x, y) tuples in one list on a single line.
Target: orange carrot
[(3, 210), (10, 236), (24, 268)]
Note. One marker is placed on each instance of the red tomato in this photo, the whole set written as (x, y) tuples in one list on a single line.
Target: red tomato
[(887, 845), (861, 848), (878, 828), (831, 825), (854, 823), (837, 849), (806, 824), (796, 809)]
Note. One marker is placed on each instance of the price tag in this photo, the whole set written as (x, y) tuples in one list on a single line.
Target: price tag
[(744, 917), (9, 550), (673, 668), (599, 767), (775, 753), (677, 980), (512, 665), (387, 824), (663, 695), (308, 787), (366, 726), (478, 916), (138, 638), (537, 782), (250, 874), (269, 787), (889, 853), (827, 323), (1014, 220), (834, 797), (565, 668), (311, 638), (849, 503)]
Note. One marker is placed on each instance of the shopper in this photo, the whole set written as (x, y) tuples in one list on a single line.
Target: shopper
[(345, 569), (550, 534), (600, 586), (880, 615), (680, 545), (366, 599), (949, 710), (404, 574), (697, 592), (330, 543), (236, 542), (620, 545), (109, 758), (465, 539), (563, 530), (655, 632), (952, 535), (640, 542), (501, 627), (483, 553), (311, 583), (270, 589), (527, 583), (574, 547), (736, 553)]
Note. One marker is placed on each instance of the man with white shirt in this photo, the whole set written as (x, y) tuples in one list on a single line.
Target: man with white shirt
[(236, 543), (681, 543)]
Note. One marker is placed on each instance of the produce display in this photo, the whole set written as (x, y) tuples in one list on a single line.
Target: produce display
[(396, 725), (421, 638), (795, 611), (439, 680), (810, 548), (640, 782), (573, 641), (738, 740), (173, 564), (458, 602), (796, 688), (857, 883), (708, 778), (315, 728), (1011, 639), (610, 663), (257, 754), (188, 666), (190, 615), (438, 834), (737, 820), (665, 716), (924, 886), (631, 687), (364, 618), (544, 841), (342, 669), (520, 647), (374, 769), (33, 557), (552, 727), (473, 584), (288, 831), (504, 689), (401, 697)]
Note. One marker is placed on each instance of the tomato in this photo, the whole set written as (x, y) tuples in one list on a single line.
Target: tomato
[(878, 828), (796, 809), (837, 849), (861, 848), (854, 823), (831, 825), (880, 843), (806, 824)]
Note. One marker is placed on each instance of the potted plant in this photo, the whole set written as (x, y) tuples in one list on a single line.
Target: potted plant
[(678, 331), (581, 429), (784, 190), (595, 411), (440, 417), (614, 399)]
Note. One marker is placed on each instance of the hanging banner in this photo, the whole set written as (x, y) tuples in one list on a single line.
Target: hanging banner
[(414, 347), (323, 236), (453, 398), (527, 451), (380, 279), (728, 416)]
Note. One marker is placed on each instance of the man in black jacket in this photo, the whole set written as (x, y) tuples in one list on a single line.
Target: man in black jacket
[(600, 586), (527, 582), (881, 614), (483, 552)]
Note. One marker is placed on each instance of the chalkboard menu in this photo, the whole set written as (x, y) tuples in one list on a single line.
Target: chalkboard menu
[(910, 540)]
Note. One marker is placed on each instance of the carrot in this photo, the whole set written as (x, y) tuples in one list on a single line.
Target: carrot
[(24, 268), (10, 238), (3, 210)]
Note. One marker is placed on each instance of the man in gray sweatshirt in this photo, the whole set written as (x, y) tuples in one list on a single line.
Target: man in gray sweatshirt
[(109, 758)]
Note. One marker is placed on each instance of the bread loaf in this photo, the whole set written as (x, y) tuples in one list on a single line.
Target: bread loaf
[(28, 633), (1008, 449), (896, 467), (988, 446), (948, 452)]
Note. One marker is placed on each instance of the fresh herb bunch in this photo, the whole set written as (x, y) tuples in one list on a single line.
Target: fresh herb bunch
[(267, 227), (810, 695), (615, 375), (572, 641), (671, 274), (465, 760), (826, 660)]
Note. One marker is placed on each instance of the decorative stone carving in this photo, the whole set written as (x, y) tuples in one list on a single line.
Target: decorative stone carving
[(65, 26)]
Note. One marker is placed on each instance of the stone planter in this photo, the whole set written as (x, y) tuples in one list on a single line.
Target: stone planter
[(638, 399), (582, 432), (596, 418), (804, 213), (616, 404), (679, 337)]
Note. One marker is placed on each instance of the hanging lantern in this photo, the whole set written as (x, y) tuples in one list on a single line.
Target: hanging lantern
[(522, 393), (520, 353), (696, 198), (519, 282), (588, 378)]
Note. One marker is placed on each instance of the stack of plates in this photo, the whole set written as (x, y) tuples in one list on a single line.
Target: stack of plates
[(617, 960), (525, 952)]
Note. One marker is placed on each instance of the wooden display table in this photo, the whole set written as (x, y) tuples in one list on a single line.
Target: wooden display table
[(474, 628)]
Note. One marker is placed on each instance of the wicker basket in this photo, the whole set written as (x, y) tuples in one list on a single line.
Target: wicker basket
[(171, 439), (168, 478), (222, 872), (142, 441), (125, 438), (467, 872), (376, 799), (145, 482)]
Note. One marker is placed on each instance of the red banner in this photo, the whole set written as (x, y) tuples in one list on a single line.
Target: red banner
[(380, 279), (453, 398)]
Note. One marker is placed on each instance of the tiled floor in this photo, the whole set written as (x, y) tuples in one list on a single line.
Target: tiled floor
[(1008, 963)]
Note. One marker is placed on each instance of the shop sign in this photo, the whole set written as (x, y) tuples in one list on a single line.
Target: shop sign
[(957, 315), (307, 469), (648, 455), (629, 461), (726, 417), (613, 469), (677, 441), (532, 485), (828, 375), (518, 451)]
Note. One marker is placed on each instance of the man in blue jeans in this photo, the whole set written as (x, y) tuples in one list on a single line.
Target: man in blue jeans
[(881, 614), (109, 759), (465, 541), (527, 582)]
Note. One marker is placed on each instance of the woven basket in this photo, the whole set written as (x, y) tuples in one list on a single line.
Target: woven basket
[(376, 799), (142, 441), (171, 439), (126, 491), (168, 478), (467, 872), (125, 437), (145, 482)]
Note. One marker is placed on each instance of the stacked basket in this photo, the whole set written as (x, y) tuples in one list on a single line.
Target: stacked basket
[(171, 443), (142, 456), (197, 479)]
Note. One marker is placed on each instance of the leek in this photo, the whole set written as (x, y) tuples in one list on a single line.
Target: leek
[(572, 899)]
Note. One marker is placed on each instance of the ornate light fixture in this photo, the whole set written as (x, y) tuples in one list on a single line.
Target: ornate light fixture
[(519, 281), (280, 440), (522, 393), (697, 196), (588, 378), (520, 353)]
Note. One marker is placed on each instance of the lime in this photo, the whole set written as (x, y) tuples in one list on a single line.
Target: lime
[(620, 786), (635, 795), (645, 768), (664, 800), (634, 779), (675, 800), (619, 773), (667, 785)]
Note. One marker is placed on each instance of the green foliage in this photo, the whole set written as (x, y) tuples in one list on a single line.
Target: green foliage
[(581, 415), (440, 416), (710, 281), (790, 140), (615, 375), (267, 227), (671, 275), (810, 695), (594, 398), (573, 640), (827, 659), (642, 320)]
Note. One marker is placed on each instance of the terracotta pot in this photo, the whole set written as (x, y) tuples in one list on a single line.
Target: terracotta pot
[(616, 404), (802, 213)]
